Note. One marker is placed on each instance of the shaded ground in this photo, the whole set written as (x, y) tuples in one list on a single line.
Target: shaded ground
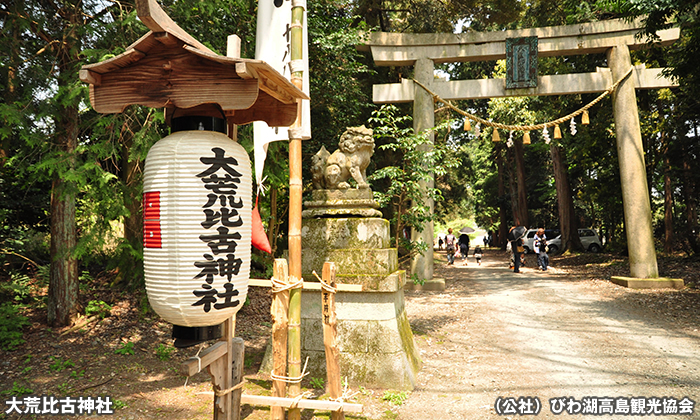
[(567, 332)]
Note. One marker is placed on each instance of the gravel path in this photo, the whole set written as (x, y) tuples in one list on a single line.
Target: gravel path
[(493, 333)]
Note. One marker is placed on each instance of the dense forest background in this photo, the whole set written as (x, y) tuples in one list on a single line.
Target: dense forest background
[(70, 179)]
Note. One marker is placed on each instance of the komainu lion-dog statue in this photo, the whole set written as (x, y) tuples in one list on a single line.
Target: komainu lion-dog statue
[(333, 171)]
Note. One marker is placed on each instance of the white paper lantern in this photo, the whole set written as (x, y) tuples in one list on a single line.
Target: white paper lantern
[(197, 227)]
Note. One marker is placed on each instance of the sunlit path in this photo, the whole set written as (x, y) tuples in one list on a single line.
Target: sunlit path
[(493, 333)]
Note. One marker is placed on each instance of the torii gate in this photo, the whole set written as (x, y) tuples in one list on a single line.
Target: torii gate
[(614, 37)]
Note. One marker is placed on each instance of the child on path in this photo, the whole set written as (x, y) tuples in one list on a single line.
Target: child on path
[(540, 245), (477, 254)]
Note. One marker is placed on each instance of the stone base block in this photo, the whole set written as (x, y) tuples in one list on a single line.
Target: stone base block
[(657, 283), (374, 339), (433, 285), (390, 283), (381, 370), (323, 235), (340, 203)]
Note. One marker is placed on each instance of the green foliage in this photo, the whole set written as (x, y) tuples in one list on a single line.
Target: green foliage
[(411, 179), (318, 383), (125, 349), (339, 76), (99, 308), (118, 404), (163, 351), (64, 388), (417, 280), (248, 361), (11, 325), (144, 306), (395, 397), (17, 289), (17, 390), (59, 365)]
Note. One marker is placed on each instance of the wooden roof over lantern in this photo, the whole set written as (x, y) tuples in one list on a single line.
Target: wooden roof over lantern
[(169, 68)]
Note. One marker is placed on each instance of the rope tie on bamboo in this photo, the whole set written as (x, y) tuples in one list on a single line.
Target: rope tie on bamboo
[(290, 379), (299, 3), (541, 126), (296, 133), (280, 286), (346, 396), (325, 286), (295, 403), (220, 393), (296, 65)]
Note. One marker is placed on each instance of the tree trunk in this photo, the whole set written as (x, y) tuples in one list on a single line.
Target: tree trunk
[(691, 213), (522, 186), (565, 202), (63, 304), (503, 214), (63, 278), (513, 186), (668, 200)]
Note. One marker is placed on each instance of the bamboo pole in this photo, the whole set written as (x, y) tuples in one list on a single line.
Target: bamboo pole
[(295, 189), (279, 308), (330, 331)]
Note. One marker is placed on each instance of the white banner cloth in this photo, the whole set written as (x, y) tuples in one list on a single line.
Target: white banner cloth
[(273, 45)]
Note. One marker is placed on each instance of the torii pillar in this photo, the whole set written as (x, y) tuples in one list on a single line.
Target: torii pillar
[(424, 121), (633, 180), (614, 37)]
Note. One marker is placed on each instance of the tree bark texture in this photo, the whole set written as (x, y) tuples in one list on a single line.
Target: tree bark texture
[(568, 225), (522, 209), (503, 213), (668, 200), (63, 278), (691, 212), (513, 186)]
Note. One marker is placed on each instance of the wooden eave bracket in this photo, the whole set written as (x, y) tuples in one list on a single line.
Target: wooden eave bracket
[(274, 100)]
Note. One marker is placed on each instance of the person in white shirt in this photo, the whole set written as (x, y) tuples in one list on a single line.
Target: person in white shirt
[(540, 246)]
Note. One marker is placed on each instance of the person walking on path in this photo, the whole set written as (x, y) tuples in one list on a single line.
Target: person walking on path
[(464, 245), (477, 254), (540, 246), (450, 246), (517, 248)]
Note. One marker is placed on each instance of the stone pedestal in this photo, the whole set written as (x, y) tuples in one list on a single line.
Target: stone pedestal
[(657, 283), (374, 337)]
